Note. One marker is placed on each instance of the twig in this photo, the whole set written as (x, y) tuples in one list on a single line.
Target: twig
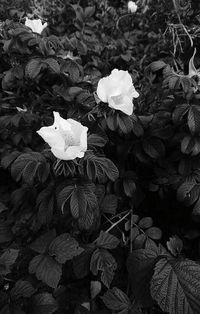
[(117, 222)]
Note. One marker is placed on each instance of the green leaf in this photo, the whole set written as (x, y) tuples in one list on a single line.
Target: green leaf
[(45, 204), (129, 187), (194, 119), (7, 260), (154, 148), (154, 233), (64, 248), (95, 288), (53, 65), (103, 168), (157, 65), (23, 289), (107, 241), (64, 196), (41, 244), (5, 232), (145, 222), (140, 265), (103, 261), (181, 280), (96, 140), (78, 202), (29, 166), (184, 191), (175, 245), (109, 204), (81, 263), (139, 241), (116, 300), (46, 269), (33, 68), (43, 303), (71, 69)]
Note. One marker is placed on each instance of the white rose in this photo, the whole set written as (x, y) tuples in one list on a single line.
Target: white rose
[(67, 138), (118, 91), (132, 7), (35, 25)]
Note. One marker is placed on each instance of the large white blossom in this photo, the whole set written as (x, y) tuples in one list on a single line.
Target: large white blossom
[(35, 25), (118, 91), (67, 138)]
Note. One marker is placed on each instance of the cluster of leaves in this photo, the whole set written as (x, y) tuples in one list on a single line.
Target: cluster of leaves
[(91, 235)]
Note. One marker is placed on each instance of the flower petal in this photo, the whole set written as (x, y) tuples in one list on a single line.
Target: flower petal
[(122, 103), (71, 153)]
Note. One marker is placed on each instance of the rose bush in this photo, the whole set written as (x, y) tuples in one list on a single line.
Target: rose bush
[(67, 138), (118, 91), (99, 207)]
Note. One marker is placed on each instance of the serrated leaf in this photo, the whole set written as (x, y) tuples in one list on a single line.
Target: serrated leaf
[(53, 64), (81, 263), (5, 232), (175, 245), (43, 303), (194, 119), (139, 241), (154, 148), (181, 280), (64, 196), (33, 68), (95, 288), (154, 233), (183, 192), (157, 65), (116, 300), (46, 269), (129, 187), (103, 168), (41, 244), (140, 265), (64, 248), (103, 261), (145, 222), (107, 241), (109, 204), (7, 260), (96, 140), (23, 289), (78, 203)]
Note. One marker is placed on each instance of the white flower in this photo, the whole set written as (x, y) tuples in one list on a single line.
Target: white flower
[(132, 7), (35, 25), (118, 91), (67, 138)]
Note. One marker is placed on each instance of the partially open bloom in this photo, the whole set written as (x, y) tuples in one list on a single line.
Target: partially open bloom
[(67, 138), (118, 91), (132, 7), (35, 25)]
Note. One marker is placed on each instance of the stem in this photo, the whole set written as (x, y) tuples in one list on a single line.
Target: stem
[(117, 222)]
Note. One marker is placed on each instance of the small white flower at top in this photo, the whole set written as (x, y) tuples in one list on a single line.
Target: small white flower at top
[(35, 25), (132, 7), (118, 91), (66, 137)]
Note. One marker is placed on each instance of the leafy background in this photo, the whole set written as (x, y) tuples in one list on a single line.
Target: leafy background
[(118, 230)]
